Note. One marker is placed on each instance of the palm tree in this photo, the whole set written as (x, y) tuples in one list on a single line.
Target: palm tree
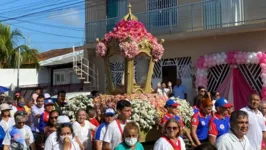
[(9, 49)]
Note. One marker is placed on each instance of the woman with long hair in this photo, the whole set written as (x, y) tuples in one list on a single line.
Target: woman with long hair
[(200, 121), (63, 138), (51, 125), (171, 138), (6, 121)]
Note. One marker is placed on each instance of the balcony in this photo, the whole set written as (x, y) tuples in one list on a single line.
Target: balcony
[(205, 15)]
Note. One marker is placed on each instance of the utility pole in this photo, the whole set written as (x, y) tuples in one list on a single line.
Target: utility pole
[(18, 68), (28, 40)]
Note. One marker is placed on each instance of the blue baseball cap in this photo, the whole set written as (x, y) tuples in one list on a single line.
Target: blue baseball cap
[(109, 111), (171, 102), (222, 102), (48, 101)]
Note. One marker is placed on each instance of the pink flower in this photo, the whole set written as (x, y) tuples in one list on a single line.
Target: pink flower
[(137, 33), (129, 49), (101, 49), (157, 51)]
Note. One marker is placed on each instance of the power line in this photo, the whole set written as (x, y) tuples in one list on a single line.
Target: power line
[(18, 8), (57, 13), (9, 2), (34, 13), (49, 25), (48, 33)]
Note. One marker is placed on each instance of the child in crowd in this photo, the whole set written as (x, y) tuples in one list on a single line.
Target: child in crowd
[(48, 107), (91, 116), (130, 138)]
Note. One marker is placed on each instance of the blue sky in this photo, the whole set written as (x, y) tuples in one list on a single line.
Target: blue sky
[(69, 21)]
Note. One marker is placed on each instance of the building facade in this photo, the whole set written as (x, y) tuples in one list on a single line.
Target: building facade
[(191, 28)]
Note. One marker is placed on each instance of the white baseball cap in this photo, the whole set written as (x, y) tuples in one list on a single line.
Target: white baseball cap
[(47, 96), (63, 119), (5, 106), (109, 111)]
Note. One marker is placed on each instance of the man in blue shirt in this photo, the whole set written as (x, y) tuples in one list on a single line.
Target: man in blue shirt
[(180, 90)]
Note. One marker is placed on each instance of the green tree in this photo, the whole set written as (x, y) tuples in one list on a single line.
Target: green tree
[(9, 49)]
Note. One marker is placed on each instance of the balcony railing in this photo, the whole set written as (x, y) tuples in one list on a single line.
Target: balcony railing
[(189, 18)]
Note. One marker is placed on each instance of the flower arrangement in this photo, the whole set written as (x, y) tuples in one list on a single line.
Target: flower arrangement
[(144, 114), (77, 102), (233, 57), (101, 49), (129, 49), (135, 31), (103, 101), (185, 111)]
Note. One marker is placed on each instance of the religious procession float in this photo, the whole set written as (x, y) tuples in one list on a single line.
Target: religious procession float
[(130, 40)]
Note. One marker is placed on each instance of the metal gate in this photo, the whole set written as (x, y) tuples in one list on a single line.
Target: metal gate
[(184, 72), (183, 65), (251, 73)]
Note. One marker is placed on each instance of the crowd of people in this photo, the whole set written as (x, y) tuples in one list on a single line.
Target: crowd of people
[(39, 123)]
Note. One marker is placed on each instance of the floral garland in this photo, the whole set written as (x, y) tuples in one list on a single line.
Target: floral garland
[(103, 101), (234, 57), (144, 114), (125, 32), (74, 104)]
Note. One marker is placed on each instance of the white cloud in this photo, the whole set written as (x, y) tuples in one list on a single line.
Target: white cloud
[(69, 17)]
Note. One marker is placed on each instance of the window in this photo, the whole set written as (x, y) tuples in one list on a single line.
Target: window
[(59, 78), (162, 17), (222, 13), (115, 9)]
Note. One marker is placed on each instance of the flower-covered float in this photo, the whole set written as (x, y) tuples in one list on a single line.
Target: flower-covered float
[(148, 109), (128, 40)]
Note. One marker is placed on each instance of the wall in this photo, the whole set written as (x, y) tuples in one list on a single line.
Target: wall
[(28, 77), (251, 41)]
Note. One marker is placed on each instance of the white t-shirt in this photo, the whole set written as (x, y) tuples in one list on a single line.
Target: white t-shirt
[(255, 127), (229, 141), (51, 143), (6, 125), (83, 133), (163, 144), (100, 132), (18, 135), (163, 92), (35, 121), (13, 111), (113, 134)]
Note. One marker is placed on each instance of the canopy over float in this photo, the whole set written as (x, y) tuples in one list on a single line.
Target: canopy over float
[(129, 39)]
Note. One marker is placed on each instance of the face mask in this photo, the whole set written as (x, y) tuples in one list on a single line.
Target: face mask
[(63, 137), (21, 104), (131, 141)]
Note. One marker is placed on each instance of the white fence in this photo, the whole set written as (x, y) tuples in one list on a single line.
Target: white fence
[(27, 77)]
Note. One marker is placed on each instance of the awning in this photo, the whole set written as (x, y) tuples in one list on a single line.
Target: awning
[(63, 59)]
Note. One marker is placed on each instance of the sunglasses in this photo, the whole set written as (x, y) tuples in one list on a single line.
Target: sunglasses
[(203, 91), (54, 117), (172, 128), (109, 115)]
